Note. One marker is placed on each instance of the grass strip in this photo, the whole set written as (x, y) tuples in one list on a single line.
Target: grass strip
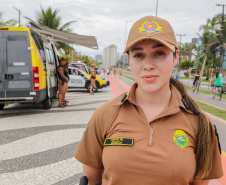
[(212, 110)]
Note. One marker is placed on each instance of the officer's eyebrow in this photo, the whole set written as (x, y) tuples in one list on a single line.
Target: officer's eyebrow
[(135, 49), (158, 46)]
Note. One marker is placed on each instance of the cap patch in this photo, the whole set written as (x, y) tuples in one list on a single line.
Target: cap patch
[(118, 141), (149, 27), (181, 139)]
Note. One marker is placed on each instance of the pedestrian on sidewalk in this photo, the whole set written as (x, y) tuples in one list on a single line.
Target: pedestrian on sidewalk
[(120, 72), (114, 71), (108, 71), (155, 134)]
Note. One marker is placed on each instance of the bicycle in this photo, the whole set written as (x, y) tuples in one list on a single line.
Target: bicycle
[(218, 92)]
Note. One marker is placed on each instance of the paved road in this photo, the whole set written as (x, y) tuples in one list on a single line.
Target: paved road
[(38, 145)]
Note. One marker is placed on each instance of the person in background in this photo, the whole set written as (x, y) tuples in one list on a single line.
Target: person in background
[(154, 134), (195, 82), (92, 78), (62, 81), (120, 72), (218, 83), (108, 71), (115, 71), (66, 73)]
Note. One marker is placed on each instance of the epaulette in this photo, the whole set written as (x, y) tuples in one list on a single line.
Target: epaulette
[(124, 97)]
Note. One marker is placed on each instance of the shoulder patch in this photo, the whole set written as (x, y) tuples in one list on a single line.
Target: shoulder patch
[(118, 141), (124, 97), (181, 139)]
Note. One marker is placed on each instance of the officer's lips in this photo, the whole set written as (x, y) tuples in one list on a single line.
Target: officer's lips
[(150, 78)]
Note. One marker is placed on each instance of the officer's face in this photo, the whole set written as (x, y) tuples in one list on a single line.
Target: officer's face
[(152, 64)]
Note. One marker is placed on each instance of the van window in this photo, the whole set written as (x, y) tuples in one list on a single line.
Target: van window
[(17, 38), (17, 48), (51, 56), (47, 55), (42, 53)]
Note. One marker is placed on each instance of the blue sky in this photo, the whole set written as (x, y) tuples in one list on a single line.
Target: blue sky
[(106, 19)]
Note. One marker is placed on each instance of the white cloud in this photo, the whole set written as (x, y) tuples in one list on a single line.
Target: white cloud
[(105, 19)]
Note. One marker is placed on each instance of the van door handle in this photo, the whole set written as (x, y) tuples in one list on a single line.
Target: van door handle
[(9, 76)]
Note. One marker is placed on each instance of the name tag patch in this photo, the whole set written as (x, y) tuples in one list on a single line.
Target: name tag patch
[(118, 141)]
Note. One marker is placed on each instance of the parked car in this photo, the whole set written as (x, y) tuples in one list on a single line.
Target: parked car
[(81, 79)]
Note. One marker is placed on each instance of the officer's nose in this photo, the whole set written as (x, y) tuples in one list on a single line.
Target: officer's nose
[(149, 63)]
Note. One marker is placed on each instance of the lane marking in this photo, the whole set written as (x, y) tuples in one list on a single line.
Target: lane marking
[(216, 118)]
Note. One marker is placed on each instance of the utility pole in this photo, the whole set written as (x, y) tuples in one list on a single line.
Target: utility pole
[(19, 14), (181, 35), (125, 46), (156, 8), (221, 41)]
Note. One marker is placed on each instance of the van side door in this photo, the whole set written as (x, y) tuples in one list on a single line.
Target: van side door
[(16, 66), (50, 72)]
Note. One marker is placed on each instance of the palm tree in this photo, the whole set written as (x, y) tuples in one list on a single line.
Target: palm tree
[(51, 19), (10, 22)]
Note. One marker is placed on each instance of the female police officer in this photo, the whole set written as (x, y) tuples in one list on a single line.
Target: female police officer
[(154, 134)]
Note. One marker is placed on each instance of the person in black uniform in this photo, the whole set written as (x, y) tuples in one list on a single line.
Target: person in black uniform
[(62, 81), (66, 73)]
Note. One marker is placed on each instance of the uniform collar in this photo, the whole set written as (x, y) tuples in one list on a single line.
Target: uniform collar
[(173, 107)]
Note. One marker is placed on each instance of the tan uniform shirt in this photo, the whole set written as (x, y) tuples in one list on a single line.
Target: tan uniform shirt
[(169, 160)]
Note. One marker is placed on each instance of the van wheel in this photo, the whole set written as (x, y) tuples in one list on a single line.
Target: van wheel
[(2, 106), (95, 88), (47, 103)]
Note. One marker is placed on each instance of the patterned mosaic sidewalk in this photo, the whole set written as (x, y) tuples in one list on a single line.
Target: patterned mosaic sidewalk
[(37, 146)]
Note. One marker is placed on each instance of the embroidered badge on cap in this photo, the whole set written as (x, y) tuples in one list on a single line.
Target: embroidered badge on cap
[(149, 27), (181, 139), (118, 141)]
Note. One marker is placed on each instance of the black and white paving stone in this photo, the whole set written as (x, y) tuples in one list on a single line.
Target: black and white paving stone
[(37, 146)]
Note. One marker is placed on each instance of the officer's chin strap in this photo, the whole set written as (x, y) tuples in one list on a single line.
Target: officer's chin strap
[(84, 181)]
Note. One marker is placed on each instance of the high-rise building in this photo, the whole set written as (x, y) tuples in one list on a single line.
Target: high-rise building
[(98, 58), (110, 56)]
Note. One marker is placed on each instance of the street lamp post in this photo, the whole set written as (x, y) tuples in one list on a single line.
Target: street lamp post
[(221, 41), (156, 8), (180, 54), (125, 46), (19, 14)]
